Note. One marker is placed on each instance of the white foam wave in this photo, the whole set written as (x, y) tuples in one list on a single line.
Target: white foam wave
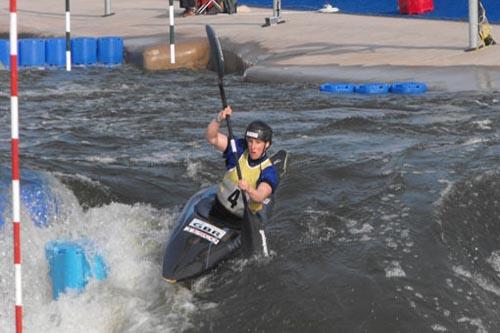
[(444, 192), (133, 298), (156, 158), (81, 178), (477, 278), (439, 328), (388, 218), (101, 159), (474, 141), (318, 229), (494, 260), (478, 323), (366, 228), (483, 124), (193, 169), (394, 270)]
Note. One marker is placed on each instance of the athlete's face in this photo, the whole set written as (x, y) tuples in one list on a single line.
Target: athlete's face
[(256, 148)]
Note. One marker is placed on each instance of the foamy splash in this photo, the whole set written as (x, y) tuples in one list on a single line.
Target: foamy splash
[(131, 239), (394, 270)]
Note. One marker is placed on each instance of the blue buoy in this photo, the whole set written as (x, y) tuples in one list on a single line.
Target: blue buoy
[(55, 52), (372, 88), (5, 53), (98, 268), (110, 50), (71, 266), (337, 88), (32, 52), (36, 196), (408, 88), (84, 51)]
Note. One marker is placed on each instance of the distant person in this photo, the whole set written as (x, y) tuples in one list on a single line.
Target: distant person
[(484, 26), (189, 7), (230, 6)]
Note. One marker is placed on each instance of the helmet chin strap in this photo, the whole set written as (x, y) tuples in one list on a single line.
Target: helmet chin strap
[(268, 145)]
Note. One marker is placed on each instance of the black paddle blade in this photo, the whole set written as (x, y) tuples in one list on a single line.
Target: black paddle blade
[(216, 50), (251, 239)]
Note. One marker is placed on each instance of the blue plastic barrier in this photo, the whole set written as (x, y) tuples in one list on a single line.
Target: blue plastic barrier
[(55, 52), (5, 52), (84, 51), (375, 88), (110, 50), (408, 88), (98, 268), (35, 52), (337, 88), (372, 88), (31, 52), (36, 196), (71, 265)]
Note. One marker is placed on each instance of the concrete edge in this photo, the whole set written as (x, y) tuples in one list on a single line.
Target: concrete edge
[(252, 61), (453, 79)]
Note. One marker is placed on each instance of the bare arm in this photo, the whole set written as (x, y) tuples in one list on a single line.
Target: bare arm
[(213, 135), (261, 193)]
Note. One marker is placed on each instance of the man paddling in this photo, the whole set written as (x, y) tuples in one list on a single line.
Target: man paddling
[(259, 176)]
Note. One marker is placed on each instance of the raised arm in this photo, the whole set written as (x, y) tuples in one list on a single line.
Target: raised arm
[(213, 135)]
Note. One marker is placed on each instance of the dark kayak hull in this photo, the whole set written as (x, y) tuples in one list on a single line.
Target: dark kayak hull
[(190, 253), (200, 241)]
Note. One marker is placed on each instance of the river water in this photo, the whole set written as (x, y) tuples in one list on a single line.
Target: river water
[(387, 220)]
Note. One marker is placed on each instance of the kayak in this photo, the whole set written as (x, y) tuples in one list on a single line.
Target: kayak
[(201, 240)]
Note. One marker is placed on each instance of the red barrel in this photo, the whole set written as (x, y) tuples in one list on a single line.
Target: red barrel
[(411, 7)]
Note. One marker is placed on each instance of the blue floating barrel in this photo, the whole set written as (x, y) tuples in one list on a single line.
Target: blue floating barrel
[(55, 52), (408, 88), (110, 50), (84, 51), (69, 266), (372, 88), (337, 88), (32, 52), (36, 197), (98, 268), (5, 53)]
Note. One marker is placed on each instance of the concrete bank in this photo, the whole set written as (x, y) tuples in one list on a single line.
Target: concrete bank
[(309, 47)]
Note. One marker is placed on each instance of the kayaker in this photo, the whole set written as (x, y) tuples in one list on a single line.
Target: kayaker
[(259, 176)]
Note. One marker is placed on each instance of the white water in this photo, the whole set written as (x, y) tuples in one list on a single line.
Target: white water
[(133, 298)]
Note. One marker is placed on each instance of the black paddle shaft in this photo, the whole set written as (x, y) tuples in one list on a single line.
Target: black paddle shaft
[(222, 93), (250, 225), (219, 61)]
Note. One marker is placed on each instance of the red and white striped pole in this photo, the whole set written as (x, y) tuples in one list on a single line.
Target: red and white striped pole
[(16, 200)]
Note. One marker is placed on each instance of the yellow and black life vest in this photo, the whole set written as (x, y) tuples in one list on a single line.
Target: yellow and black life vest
[(229, 194)]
